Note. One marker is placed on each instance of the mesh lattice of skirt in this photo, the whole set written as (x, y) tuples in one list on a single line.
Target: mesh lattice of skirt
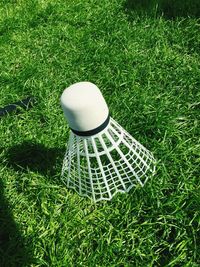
[(102, 165)]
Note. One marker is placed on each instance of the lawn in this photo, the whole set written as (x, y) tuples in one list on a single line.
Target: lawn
[(145, 58)]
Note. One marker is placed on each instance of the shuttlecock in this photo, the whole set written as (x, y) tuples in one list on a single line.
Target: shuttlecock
[(101, 158)]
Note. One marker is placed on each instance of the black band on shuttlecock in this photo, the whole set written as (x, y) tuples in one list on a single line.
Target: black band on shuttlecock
[(93, 131)]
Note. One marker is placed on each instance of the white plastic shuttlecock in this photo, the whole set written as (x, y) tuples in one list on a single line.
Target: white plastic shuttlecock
[(101, 158)]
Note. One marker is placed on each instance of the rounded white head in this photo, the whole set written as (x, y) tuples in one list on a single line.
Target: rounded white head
[(85, 108)]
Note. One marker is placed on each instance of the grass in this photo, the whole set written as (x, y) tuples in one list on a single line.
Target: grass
[(146, 64)]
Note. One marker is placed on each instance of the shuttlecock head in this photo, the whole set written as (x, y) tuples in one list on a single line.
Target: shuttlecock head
[(85, 108)]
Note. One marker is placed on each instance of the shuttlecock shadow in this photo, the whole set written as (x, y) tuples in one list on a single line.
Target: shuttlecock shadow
[(170, 9), (14, 249), (35, 157)]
